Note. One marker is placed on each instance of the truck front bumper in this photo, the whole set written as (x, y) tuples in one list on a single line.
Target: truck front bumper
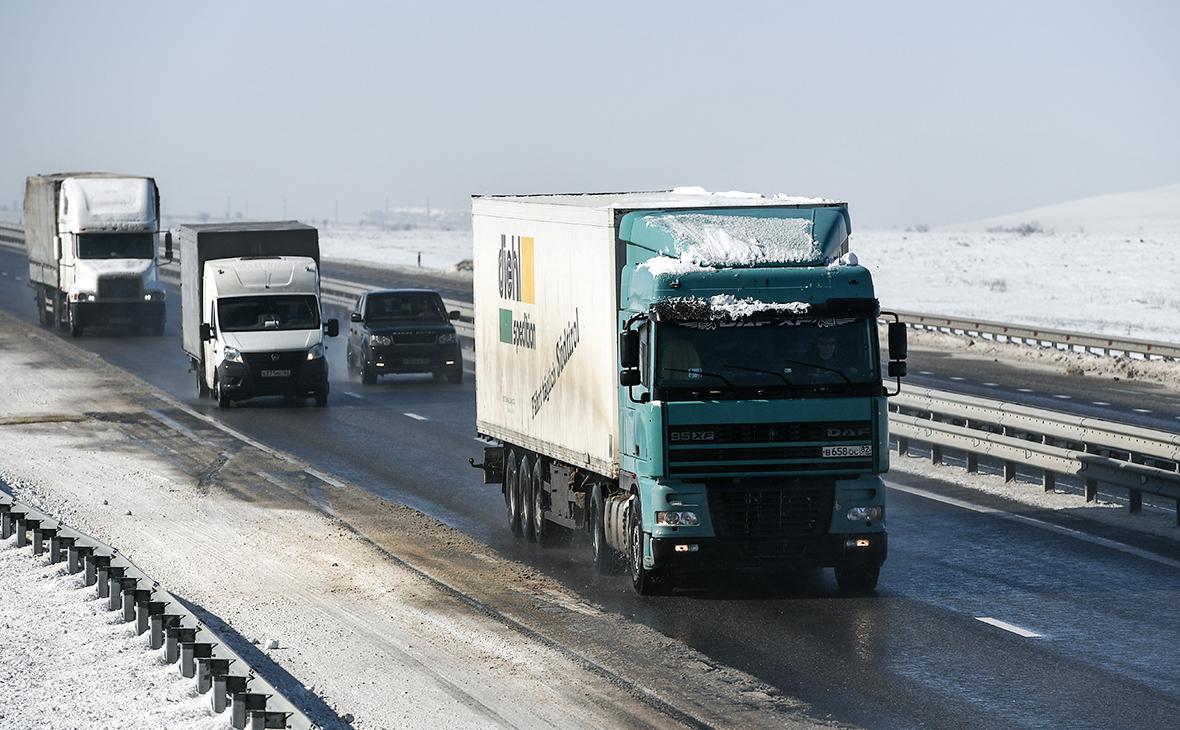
[(709, 553), (120, 314), (240, 381)]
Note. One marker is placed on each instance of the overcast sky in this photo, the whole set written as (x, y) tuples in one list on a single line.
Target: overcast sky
[(914, 112)]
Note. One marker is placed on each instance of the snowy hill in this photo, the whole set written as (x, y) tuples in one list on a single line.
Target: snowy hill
[(1153, 212)]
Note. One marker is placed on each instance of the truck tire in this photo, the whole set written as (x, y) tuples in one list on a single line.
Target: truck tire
[(857, 579), (222, 399), (646, 582), (524, 477), (512, 493), (202, 389), (75, 326), (604, 556), (541, 528)]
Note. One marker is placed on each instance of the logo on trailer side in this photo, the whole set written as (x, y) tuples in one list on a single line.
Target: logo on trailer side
[(517, 280)]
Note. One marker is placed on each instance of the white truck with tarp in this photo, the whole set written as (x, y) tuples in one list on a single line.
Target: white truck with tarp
[(91, 239), (251, 322)]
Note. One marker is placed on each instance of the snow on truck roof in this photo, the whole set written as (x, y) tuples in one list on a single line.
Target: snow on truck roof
[(683, 197), (248, 226)]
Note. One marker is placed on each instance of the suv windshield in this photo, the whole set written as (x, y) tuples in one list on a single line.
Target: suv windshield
[(787, 359), (268, 312), (116, 245), (417, 306)]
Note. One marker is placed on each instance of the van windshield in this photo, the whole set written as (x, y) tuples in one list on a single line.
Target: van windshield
[(116, 245), (268, 312)]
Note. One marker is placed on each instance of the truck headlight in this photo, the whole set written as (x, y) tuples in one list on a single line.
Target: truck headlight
[(446, 338), (83, 296), (315, 352), (153, 296), (865, 514), (677, 519), (232, 355)]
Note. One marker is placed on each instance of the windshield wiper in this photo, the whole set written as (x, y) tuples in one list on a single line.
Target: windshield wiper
[(722, 378), (820, 367), (759, 370)]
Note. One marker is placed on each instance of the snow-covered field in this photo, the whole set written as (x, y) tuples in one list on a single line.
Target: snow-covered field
[(440, 249)]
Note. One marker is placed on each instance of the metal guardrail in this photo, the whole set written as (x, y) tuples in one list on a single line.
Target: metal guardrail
[(1140, 460), (201, 654), (1029, 334)]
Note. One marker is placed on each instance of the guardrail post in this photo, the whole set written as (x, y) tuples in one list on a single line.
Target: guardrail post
[(1049, 480), (115, 587), (102, 565), (208, 668), (19, 526), (160, 623), (129, 590), (1091, 489), (224, 687), (145, 608), (903, 445), (1135, 501), (6, 520), (1009, 471), (173, 636), (58, 546), (243, 703), (972, 462), (936, 454), (189, 651), (38, 536)]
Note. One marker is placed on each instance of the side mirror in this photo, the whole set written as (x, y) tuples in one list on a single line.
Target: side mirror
[(629, 377), (206, 332), (897, 369), (629, 350), (355, 317), (332, 327), (168, 246), (897, 340), (454, 314)]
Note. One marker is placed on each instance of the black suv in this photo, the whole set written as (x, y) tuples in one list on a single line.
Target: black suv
[(403, 331)]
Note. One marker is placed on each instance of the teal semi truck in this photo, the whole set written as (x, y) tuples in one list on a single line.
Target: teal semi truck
[(694, 379)]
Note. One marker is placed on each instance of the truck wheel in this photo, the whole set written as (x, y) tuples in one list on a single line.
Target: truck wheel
[(512, 493), (857, 579), (368, 375), (202, 389), (541, 528), (646, 582), (525, 480), (75, 325), (604, 558), (223, 400)]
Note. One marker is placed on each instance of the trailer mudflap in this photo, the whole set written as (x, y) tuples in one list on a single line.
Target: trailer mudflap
[(492, 466)]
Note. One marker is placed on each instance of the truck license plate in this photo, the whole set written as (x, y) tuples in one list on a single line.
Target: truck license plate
[(836, 452), (276, 373), (415, 361)]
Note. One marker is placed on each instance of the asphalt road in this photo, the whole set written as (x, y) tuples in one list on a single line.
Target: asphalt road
[(1078, 634)]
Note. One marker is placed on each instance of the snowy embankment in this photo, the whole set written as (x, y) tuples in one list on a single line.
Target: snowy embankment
[(67, 661)]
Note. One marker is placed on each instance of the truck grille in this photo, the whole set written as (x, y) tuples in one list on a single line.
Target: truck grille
[(290, 360), (761, 448), (119, 287), (772, 518)]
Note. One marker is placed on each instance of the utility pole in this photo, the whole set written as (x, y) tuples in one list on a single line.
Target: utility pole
[(284, 209), (337, 212)]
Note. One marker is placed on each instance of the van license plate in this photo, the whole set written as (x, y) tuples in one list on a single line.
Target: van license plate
[(276, 373), (836, 452)]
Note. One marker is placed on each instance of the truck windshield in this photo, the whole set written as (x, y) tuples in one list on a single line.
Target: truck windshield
[(403, 306), (116, 245), (782, 360), (268, 312)]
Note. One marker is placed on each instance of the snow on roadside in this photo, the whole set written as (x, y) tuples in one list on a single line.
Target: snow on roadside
[(440, 249), (65, 660)]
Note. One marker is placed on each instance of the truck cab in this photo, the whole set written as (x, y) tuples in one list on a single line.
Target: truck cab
[(263, 334)]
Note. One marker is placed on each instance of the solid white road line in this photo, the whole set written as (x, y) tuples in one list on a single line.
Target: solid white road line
[(1008, 627), (416, 417), (1024, 519)]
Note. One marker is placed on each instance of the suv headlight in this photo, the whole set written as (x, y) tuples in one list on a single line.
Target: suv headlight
[(315, 352), (446, 338), (380, 340), (232, 355), (865, 514)]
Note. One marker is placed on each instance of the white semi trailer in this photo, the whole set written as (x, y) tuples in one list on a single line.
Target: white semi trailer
[(91, 239)]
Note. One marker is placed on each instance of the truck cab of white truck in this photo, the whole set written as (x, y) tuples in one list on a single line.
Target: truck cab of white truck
[(92, 241), (251, 322)]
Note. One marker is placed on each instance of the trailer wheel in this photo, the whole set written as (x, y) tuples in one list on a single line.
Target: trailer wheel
[(512, 493), (542, 531), (857, 579), (525, 480), (646, 582)]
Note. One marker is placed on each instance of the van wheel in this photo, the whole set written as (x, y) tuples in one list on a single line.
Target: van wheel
[(223, 400), (512, 494), (202, 389), (368, 375)]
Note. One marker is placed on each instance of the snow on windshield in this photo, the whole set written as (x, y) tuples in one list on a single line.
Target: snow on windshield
[(704, 240)]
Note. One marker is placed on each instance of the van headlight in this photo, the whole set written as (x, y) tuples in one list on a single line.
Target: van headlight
[(232, 355), (315, 352), (865, 514), (445, 338)]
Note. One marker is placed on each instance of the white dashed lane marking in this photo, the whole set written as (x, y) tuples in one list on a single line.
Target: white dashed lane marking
[(1025, 390), (416, 417), (990, 385), (1063, 397), (350, 394), (1008, 627), (957, 378), (1099, 402), (1142, 410), (925, 372)]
